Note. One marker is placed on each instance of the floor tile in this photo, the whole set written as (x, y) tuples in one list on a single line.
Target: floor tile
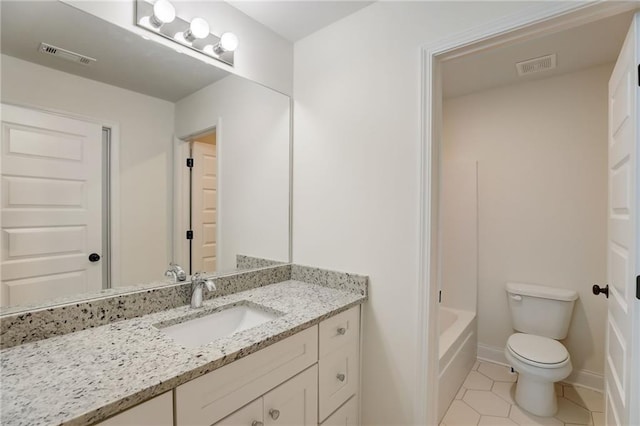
[(587, 398), (598, 419), (487, 403), (496, 421), (524, 418), (570, 412), (460, 414), (498, 373), (506, 391), (490, 402), (477, 381)]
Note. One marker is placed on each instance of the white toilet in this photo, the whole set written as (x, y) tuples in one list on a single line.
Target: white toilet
[(542, 316)]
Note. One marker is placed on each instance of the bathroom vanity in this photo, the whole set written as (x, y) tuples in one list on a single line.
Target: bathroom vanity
[(300, 366)]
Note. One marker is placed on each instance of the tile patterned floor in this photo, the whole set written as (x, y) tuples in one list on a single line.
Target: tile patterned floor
[(486, 399)]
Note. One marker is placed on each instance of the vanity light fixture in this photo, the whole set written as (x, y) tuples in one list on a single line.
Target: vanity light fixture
[(159, 17), (228, 43), (163, 13), (198, 29)]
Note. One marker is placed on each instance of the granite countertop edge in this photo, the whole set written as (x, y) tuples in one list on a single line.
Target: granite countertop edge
[(213, 357)]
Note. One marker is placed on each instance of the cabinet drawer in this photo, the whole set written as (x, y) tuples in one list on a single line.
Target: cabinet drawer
[(157, 411), (247, 415), (347, 415), (339, 330), (210, 398), (337, 378)]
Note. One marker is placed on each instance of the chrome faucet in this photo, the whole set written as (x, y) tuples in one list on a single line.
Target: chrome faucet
[(198, 282), (176, 273)]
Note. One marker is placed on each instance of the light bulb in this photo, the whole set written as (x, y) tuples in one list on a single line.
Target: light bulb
[(163, 13), (228, 42), (199, 28)]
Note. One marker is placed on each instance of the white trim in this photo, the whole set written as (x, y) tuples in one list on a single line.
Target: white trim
[(114, 178), (114, 203), (181, 203), (220, 167), (539, 19), (583, 378), (492, 354)]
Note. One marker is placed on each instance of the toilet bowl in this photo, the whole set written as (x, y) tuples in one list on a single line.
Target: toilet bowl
[(540, 362), (542, 316)]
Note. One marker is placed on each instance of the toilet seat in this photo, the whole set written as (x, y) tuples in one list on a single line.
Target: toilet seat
[(538, 351)]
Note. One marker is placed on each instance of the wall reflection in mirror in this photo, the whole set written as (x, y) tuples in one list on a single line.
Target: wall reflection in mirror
[(96, 191)]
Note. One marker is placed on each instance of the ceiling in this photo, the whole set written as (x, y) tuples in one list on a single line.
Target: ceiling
[(124, 59), (577, 48), (296, 19)]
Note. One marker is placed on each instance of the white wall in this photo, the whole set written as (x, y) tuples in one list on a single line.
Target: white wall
[(459, 234), (253, 173), (262, 55), (542, 150), (146, 135), (356, 180)]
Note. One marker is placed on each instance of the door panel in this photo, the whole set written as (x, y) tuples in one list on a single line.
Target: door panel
[(51, 202), (204, 208), (621, 365)]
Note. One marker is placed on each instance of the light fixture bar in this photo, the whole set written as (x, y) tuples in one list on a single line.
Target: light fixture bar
[(182, 32)]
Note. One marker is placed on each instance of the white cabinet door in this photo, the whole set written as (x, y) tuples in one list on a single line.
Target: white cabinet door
[(295, 402), (622, 375), (347, 415), (51, 171), (155, 412)]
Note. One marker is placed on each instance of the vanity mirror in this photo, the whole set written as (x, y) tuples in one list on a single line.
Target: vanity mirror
[(120, 155)]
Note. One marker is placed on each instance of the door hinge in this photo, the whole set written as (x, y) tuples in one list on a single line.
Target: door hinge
[(189, 234), (638, 287), (189, 162), (439, 296)]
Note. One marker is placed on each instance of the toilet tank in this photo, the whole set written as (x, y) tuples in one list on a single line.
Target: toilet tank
[(541, 310)]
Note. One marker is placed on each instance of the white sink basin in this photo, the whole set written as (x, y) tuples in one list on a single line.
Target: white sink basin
[(200, 331)]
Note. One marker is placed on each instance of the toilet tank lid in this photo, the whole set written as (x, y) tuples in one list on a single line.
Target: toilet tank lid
[(541, 291)]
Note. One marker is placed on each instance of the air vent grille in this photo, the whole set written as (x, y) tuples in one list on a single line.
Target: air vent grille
[(65, 54), (531, 66)]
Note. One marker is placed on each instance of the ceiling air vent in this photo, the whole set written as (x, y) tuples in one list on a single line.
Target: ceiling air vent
[(532, 66), (65, 54)]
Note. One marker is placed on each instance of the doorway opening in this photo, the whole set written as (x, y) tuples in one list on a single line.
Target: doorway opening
[(502, 34), (197, 201)]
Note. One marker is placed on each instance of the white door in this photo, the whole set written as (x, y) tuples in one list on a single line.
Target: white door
[(622, 367), (204, 207), (51, 171)]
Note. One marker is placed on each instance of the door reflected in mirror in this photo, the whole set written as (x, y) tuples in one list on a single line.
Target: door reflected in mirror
[(112, 170)]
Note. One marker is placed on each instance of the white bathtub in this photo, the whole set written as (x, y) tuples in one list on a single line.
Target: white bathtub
[(458, 350)]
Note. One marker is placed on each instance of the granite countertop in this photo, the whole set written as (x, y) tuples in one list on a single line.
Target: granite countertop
[(89, 375)]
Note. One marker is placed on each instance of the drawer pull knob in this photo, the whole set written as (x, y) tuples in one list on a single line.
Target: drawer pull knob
[(341, 377), (342, 330), (274, 414), (257, 423)]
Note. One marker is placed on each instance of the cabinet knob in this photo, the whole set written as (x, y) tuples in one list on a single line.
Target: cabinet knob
[(274, 414), (342, 330), (341, 377), (257, 423)]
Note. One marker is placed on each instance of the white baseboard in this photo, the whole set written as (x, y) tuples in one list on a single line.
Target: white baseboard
[(584, 378)]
